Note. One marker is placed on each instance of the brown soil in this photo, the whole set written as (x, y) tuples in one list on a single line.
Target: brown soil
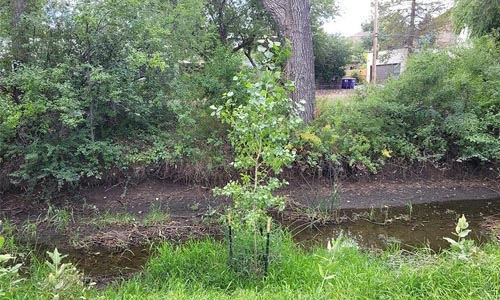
[(193, 210)]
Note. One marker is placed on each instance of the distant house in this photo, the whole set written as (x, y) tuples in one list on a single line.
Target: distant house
[(390, 63)]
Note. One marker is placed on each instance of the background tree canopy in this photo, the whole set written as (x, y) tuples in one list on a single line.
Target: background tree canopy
[(480, 17), (403, 22)]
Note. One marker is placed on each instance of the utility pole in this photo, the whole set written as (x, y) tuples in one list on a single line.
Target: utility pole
[(375, 42)]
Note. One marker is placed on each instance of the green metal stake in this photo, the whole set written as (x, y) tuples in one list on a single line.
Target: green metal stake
[(268, 234)]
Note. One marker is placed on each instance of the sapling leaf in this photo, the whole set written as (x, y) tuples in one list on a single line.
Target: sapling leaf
[(451, 241), (462, 223), (464, 233), (5, 257)]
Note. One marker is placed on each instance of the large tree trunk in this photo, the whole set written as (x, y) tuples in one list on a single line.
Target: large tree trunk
[(18, 36), (19, 39), (293, 20)]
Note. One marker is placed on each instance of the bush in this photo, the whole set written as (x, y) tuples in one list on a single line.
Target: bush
[(444, 108)]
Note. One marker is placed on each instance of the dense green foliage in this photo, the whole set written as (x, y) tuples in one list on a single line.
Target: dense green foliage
[(443, 109), (108, 86), (110, 90), (103, 90), (480, 17), (331, 55)]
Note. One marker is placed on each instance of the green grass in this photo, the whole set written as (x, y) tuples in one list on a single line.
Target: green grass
[(199, 270), (117, 218), (59, 218), (156, 215)]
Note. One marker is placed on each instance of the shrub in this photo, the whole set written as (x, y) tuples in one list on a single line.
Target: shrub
[(444, 108)]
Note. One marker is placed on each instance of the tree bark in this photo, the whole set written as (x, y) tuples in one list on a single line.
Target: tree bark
[(19, 40), (411, 35), (294, 23)]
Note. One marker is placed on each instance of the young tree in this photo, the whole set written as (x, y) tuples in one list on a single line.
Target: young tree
[(294, 23)]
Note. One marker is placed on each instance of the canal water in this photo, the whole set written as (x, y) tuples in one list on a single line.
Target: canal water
[(408, 227)]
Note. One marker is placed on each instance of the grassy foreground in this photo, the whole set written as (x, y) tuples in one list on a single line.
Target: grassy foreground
[(199, 270)]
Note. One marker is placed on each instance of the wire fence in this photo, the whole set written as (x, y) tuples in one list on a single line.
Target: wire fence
[(251, 252)]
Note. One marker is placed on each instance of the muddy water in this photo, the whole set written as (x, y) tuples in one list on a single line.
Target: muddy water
[(409, 227), (422, 225), (101, 264)]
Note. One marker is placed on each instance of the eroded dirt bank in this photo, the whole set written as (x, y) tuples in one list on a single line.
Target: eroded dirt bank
[(107, 230), (122, 216)]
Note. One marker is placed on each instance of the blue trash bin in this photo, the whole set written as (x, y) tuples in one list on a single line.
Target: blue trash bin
[(352, 83), (345, 83)]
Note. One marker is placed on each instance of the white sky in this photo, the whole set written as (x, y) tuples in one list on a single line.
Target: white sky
[(355, 12), (352, 14)]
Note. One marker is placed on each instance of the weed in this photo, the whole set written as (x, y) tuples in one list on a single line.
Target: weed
[(156, 215), (321, 209), (59, 218), (461, 247), (64, 281), (328, 207), (7, 230), (409, 205), (9, 276), (372, 215), (385, 211), (334, 247), (108, 218), (29, 229), (195, 206)]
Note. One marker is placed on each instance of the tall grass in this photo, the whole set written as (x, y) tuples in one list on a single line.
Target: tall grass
[(199, 270)]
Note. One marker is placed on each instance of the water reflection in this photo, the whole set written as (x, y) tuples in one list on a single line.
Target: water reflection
[(411, 226)]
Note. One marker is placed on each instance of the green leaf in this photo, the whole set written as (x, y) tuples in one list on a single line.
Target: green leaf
[(321, 272), (5, 257), (464, 233), (451, 241)]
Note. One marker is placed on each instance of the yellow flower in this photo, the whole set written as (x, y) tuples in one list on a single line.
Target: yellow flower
[(310, 137), (386, 153)]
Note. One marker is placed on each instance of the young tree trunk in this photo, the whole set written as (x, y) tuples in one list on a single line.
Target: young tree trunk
[(293, 20)]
